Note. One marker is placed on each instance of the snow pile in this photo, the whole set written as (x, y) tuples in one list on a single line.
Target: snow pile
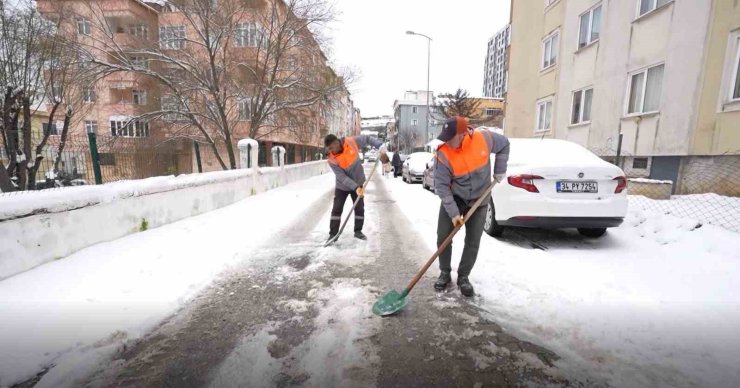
[(708, 208), (68, 313), (655, 302)]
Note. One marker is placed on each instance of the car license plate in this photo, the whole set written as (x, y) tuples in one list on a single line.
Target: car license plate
[(577, 187)]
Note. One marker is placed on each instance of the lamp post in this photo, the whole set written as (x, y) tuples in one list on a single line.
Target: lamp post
[(426, 117)]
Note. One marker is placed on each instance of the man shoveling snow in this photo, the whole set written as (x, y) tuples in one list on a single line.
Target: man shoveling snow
[(344, 159)]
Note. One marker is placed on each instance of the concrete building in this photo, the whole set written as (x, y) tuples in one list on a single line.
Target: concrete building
[(377, 125), (661, 73), (410, 114), (495, 69)]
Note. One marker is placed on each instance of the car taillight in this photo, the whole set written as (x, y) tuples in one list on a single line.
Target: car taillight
[(621, 184), (525, 182)]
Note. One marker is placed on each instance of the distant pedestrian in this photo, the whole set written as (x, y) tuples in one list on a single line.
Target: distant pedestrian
[(396, 164), (386, 162)]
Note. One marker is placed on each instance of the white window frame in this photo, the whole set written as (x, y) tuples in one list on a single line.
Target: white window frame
[(414, 123), (139, 62), (548, 3), (139, 97), (139, 31), (172, 37), (91, 126), (735, 68), (129, 128), (84, 26), (88, 95), (244, 109), (248, 34), (53, 128), (652, 9), (644, 91), (583, 104), (553, 60), (543, 101), (590, 14)]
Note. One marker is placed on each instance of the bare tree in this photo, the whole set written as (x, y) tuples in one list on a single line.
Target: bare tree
[(245, 68), (39, 65), (408, 140)]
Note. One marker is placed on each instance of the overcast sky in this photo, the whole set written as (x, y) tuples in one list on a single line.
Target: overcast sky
[(370, 35)]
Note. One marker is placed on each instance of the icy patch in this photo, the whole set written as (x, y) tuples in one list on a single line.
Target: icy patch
[(250, 364), (339, 353)]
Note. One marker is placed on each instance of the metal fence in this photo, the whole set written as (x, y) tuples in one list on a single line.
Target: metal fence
[(706, 188)]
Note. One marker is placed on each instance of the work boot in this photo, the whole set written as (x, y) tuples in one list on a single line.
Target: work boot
[(443, 280), (360, 235), (465, 287)]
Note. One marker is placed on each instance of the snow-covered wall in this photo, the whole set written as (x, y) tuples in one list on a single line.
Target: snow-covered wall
[(41, 226)]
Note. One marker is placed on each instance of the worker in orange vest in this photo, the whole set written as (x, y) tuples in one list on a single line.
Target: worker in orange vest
[(462, 172), (344, 159)]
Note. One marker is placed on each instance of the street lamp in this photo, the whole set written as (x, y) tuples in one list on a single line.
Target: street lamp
[(426, 118)]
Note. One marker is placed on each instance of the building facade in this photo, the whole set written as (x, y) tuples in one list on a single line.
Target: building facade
[(118, 100), (659, 74), (410, 115), (495, 70)]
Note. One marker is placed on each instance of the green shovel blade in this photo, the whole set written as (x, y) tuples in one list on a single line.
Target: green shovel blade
[(390, 303)]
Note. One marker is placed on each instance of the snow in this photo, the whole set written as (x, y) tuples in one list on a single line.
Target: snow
[(645, 180), (709, 208), (655, 302), (71, 313)]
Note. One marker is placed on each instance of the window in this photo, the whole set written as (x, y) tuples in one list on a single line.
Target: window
[(88, 94), (490, 112), (57, 92), (248, 35), (550, 51), (414, 109), (414, 122), (645, 90), (549, 2), (139, 97), (171, 105), (91, 126), (590, 27), (640, 163), (139, 31), (172, 37), (51, 129), (735, 93), (129, 128), (650, 5), (245, 109), (84, 26), (139, 62), (544, 115), (581, 110)]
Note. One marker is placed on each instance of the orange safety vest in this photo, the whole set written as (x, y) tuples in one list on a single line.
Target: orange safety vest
[(349, 155), (471, 156)]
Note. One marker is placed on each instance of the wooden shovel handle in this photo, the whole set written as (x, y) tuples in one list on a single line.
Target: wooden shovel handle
[(448, 240)]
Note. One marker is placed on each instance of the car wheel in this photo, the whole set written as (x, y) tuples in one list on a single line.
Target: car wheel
[(491, 227), (592, 232)]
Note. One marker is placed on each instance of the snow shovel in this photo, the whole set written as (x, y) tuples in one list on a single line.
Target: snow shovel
[(335, 238), (393, 301)]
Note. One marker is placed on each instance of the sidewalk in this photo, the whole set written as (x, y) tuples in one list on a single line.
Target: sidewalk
[(73, 311)]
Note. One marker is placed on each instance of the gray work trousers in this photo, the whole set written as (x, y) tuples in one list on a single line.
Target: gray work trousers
[(473, 233)]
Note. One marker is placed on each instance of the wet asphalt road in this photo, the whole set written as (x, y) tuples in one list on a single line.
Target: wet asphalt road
[(439, 339)]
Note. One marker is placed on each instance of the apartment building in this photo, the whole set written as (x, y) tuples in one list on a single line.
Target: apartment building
[(410, 115), (495, 69), (119, 99), (661, 73)]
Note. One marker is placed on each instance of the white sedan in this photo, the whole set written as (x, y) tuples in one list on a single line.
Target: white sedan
[(557, 184), (414, 166)]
